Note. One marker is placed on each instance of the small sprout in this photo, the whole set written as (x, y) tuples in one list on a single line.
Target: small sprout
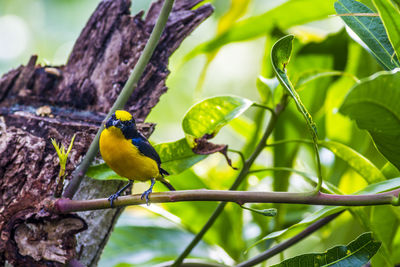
[(266, 212), (62, 157)]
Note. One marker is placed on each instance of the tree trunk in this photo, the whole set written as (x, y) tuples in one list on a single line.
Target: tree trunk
[(38, 103)]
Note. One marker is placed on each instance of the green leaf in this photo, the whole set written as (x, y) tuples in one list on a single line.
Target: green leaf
[(356, 253), (280, 57), (374, 105), (358, 162), (380, 187), (210, 115), (283, 16), (177, 156), (103, 172), (370, 30), (384, 224), (390, 16)]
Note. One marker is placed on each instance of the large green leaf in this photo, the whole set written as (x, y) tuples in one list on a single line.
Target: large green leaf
[(358, 162), (374, 105), (356, 253), (390, 16), (282, 16), (177, 156), (208, 116), (370, 30)]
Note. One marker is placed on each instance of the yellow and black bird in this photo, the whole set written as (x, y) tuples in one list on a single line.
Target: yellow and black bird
[(129, 154)]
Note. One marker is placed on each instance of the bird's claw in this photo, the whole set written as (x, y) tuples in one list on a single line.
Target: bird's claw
[(146, 196)]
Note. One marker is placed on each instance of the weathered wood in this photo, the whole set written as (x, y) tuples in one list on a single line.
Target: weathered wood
[(38, 103)]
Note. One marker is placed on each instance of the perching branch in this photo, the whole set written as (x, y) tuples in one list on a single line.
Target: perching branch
[(240, 197), (123, 97)]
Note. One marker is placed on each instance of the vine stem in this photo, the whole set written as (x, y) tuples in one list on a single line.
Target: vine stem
[(66, 205), (241, 176), (123, 97), (284, 245)]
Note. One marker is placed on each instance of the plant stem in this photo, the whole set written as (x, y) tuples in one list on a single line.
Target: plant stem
[(241, 197), (286, 244), (123, 97), (264, 107), (243, 173)]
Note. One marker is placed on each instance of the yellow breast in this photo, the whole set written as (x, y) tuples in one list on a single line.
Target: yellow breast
[(124, 158)]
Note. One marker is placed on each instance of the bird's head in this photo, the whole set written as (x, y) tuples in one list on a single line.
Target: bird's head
[(124, 121)]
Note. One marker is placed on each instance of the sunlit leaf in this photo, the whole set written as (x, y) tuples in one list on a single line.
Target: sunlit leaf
[(374, 105), (282, 16), (370, 30), (390, 16), (210, 115), (380, 187), (356, 253), (177, 156), (358, 162)]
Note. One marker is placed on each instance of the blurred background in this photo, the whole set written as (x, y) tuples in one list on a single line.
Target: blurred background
[(148, 235)]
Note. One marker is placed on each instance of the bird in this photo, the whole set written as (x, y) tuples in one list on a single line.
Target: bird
[(128, 153)]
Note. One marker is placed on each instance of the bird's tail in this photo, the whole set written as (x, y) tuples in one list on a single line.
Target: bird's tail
[(167, 184), (163, 172)]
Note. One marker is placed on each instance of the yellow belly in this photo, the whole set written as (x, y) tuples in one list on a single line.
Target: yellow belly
[(124, 158)]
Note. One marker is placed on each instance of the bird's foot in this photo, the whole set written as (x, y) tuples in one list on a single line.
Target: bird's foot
[(112, 198), (146, 196), (119, 192)]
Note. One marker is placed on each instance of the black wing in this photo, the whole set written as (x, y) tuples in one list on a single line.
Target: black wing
[(145, 148)]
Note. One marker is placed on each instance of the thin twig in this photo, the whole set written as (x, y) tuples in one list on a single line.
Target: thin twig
[(290, 242), (123, 97)]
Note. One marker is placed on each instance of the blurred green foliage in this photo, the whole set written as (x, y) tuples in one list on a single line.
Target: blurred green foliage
[(332, 71)]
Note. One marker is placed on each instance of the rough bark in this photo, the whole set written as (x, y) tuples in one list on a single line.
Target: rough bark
[(42, 102)]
